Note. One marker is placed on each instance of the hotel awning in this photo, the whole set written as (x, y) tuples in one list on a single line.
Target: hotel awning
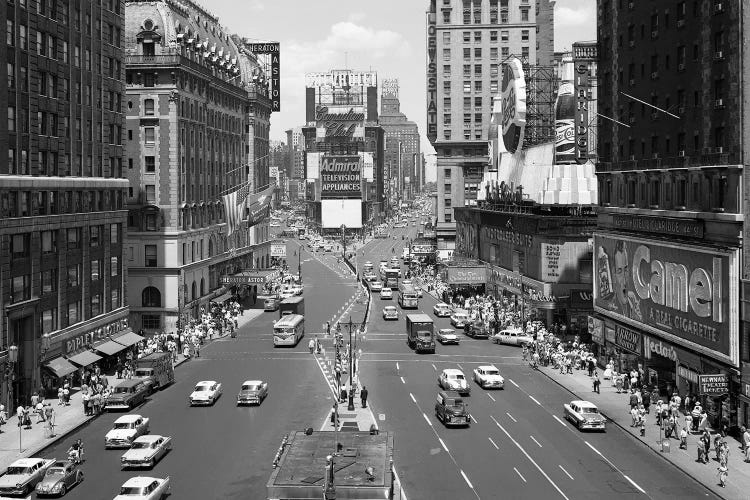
[(254, 277), (110, 347), (128, 339), (222, 298), (84, 358), (61, 367)]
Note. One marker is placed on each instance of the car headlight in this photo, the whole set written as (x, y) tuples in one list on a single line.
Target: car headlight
[(56, 488)]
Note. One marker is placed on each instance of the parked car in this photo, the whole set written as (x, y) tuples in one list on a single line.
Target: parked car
[(127, 395), (60, 477), (390, 312), (453, 379), (459, 318), (125, 430), (146, 451), (441, 310), (252, 392), (512, 336), (447, 336), (144, 488), (206, 393), (488, 377), (584, 415), (23, 475), (451, 410)]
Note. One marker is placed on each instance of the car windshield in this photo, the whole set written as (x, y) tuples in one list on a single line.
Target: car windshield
[(458, 376), (202, 388), (456, 403), (18, 470), (140, 445), (124, 425), (589, 410), (491, 372), (55, 471), (250, 387), (132, 490)]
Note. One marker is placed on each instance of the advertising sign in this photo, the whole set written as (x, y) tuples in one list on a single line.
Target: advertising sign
[(89, 337), (713, 385), (582, 89), (691, 228), (653, 346), (432, 77), (278, 249), (596, 330), (466, 275), (551, 261), (565, 109), (686, 294), (341, 176), (628, 339), (335, 213), (466, 239), (422, 249), (272, 48), (343, 124), (513, 92)]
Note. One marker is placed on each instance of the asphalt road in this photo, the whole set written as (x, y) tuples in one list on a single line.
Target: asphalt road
[(225, 452), (518, 445)]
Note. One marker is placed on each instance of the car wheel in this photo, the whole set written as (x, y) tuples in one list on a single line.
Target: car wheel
[(79, 477)]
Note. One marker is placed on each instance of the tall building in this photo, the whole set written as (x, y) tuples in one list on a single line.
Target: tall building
[(467, 40), (403, 169), (278, 160), (670, 287), (295, 142), (197, 129), (343, 150), (62, 223)]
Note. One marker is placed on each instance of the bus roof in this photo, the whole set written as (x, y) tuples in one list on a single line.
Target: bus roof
[(292, 300), (419, 318), (407, 288), (290, 320)]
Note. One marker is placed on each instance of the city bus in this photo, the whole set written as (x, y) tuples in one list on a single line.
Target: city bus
[(408, 297), (289, 330), (390, 278)]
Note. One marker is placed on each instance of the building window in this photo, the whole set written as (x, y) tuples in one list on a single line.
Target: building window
[(74, 312), (446, 54), (446, 70), (20, 246), (448, 202), (446, 104), (114, 266), (448, 216), (447, 188), (150, 164), (446, 17), (150, 193), (467, 87), (150, 136), (96, 270), (21, 288), (467, 36), (524, 35), (49, 321), (150, 321), (446, 37), (150, 256), (148, 106), (478, 52), (11, 118), (114, 234), (524, 15), (49, 241), (96, 305), (49, 281), (94, 236), (74, 275), (115, 299), (493, 36)]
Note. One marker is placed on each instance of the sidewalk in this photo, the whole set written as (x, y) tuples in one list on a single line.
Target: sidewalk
[(67, 418), (616, 408)]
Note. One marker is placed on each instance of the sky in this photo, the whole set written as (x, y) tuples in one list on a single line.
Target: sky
[(387, 36)]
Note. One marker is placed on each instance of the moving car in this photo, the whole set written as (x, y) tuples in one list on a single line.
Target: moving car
[(390, 312), (252, 392), (125, 430), (367, 266), (23, 475), (59, 478), (376, 286), (297, 289), (512, 336), (452, 379), (144, 488), (584, 415), (441, 310), (206, 393), (126, 395), (370, 277), (271, 303), (386, 293), (447, 336), (451, 410), (418, 289), (459, 318), (488, 377), (146, 451)]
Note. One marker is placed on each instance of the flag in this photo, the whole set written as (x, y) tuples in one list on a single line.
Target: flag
[(234, 207), (258, 204), (261, 197)]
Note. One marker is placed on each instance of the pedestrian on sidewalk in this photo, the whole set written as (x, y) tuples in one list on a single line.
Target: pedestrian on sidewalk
[(618, 383), (696, 414), (60, 396), (597, 383), (34, 399), (634, 416), (717, 445), (646, 398), (633, 399), (86, 399), (3, 417), (723, 473), (724, 455), (39, 412), (363, 396), (344, 394), (683, 438), (745, 442)]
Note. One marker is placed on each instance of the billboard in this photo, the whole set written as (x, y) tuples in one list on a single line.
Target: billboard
[(348, 123), (513, 92), (272, 48), (278, 249), (335, 213), (432, 76), (565, 112), (340, 176), (686, 294)]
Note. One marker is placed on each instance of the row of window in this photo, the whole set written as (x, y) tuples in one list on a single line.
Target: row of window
[(467, 38), (48, 164), (472, 12), (35, 203), (47, 124), (477, 53), (665, 146), (20, 243), (73, 312), (48, 8)]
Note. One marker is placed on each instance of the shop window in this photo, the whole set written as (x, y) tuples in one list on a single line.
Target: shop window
[(150, 321)]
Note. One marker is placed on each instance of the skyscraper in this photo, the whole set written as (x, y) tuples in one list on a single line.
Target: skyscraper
[(62, 218)]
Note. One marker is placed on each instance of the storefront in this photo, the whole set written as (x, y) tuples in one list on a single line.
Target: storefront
[(466, 278), (596, 336), (623, 347), (660, 365)]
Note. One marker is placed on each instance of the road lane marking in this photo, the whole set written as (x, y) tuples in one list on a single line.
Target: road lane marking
[(474, 419), (434, 367), (412, 397), (537, 442), (397, 367), (493, 443), (511, 381), (402, 380), (511, 417), (490, 396), (595, 450), (566, 472), (519, 474), (532, 461), (459, 366), (534, 400), (467, 479), (442, 443), (634, 484), (427, 419), (558, 419)]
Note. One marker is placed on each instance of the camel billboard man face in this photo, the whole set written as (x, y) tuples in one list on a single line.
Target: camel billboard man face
[(621, 274)]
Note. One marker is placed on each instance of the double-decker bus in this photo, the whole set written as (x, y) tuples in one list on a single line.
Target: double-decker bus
[(408, 297), (289, 330)]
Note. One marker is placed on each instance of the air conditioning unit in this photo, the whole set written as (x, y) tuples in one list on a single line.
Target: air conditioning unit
[(655, 34), (681, 152), (654, 75), (681, 110), (718, 7), (680, 23), (719, 103), (681, 67), (719, 55)]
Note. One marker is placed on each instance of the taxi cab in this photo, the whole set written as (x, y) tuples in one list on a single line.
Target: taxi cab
[(512, 336), (459, 318), (441, 310)]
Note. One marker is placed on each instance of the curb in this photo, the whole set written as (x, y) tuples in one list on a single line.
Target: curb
[(635, 438)]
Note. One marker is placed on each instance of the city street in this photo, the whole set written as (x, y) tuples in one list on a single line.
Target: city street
[(518, 440), (225, 451)]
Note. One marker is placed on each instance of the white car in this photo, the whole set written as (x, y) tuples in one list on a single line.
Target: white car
[(406, 282), (144, 488), (23, 475), (459, 318), (390, 312), (441, 310), (370, 277), (512, 336), (418, 289), (488, 377), (386, 293), (125, 430), (286, 293), (146, 451), (206, 393), (376, 286), (297, 289), (452, 379), (447, 336), (584, 415), (275, 224)]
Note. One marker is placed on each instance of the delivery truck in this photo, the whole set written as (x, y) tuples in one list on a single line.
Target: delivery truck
[(292, 305), (420, 333), (156, 370)]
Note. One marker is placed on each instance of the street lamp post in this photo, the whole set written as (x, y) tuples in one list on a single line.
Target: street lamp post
[(13, 360), (299, 264)]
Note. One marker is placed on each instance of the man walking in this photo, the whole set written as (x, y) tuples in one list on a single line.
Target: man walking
[(363, 396), (745, 442), (597, 383)]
